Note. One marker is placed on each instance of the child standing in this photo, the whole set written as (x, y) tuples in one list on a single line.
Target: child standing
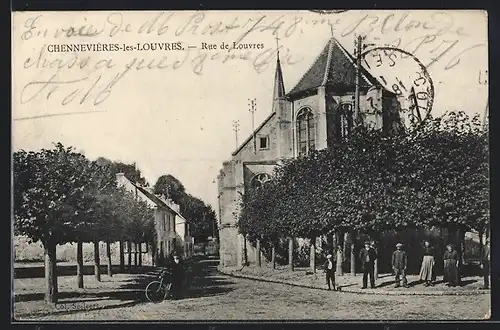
[(399, 263)]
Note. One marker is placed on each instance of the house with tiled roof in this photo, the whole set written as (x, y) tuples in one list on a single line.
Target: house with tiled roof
[(316, 113), (172, 228)]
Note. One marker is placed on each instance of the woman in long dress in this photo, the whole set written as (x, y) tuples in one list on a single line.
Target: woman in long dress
[(451, 259), (427, 268)]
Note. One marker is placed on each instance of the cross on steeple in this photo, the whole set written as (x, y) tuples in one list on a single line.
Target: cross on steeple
[(278, 46)]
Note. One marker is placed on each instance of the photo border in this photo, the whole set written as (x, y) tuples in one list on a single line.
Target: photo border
[(91, 5)]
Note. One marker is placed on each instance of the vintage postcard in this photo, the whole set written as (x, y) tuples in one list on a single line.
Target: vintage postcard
[(250, 165)]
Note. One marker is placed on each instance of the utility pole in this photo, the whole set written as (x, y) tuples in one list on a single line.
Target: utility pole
[(484, 82), (236, 128), (358, 46), (252, 104)]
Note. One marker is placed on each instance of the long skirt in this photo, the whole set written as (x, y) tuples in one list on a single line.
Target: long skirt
[(427, 268), (450, 272)]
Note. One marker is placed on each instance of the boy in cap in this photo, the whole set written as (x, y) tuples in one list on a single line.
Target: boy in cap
[(399, 263), (330, 272), (368, 257)]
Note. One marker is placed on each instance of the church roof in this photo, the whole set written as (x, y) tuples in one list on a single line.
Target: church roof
[(333, 67)]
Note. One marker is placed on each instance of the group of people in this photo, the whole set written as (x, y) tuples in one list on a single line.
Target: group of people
[(399, 263)]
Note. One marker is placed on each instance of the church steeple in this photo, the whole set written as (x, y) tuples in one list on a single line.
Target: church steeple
[(279, 86)]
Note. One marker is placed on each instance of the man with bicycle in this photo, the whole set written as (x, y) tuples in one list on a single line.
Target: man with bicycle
[(176, 267)]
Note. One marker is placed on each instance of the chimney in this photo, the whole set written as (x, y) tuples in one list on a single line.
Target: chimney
[(175, 206), (120, 176)]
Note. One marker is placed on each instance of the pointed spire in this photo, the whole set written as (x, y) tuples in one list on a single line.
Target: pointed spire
[(279, 86)]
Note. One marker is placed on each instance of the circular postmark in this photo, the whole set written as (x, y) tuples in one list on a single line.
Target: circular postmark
[(401, 73)]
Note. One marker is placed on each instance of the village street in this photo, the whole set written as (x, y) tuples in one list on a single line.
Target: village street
[(215, 296)]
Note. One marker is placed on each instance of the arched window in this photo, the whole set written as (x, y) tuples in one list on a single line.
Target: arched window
[(344, 121), (305, 132), (260, 180)]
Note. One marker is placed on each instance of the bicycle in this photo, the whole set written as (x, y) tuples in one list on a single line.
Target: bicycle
[(158, 290)]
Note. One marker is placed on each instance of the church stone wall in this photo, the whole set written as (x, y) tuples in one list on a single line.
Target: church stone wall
[(309, 101), (228, 246), (247, 153), (231, 182), (284, 126)]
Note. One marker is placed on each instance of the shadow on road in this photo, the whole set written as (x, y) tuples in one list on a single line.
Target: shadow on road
[(203, 280), (129, 290)]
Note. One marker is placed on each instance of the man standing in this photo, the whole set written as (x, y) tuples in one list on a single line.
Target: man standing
[(177, 269), (399, 263), (368, 257), (330, 272)]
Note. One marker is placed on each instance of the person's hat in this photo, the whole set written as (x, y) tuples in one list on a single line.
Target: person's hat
[(450, 245), (399, 244), (367, 243), (329, 256)]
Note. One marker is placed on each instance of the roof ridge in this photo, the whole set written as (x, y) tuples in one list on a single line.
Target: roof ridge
[(328, 61), (253, 133), (351, 59), (155, 199), (310, 66)]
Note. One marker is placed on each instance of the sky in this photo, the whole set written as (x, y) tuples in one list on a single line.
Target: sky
[(172, 111)]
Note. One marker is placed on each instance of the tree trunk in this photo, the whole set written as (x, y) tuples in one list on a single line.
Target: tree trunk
[(353, 253), (481, 246), (79, 264), (108, 256), (339, 271), (273, 256), (482, 258), (345, 246), (97, 264), (290, 254), (462, 246), (135, 254), (156, 257), (50, 272), (338, 251), (122, 257), (487, 260), (258, 255), (140, 254), (373, 238), (245, 251), (129, 249), (312, 256), (331, 242)]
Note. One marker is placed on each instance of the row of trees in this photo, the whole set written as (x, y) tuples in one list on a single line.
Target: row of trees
[(202, 217), (433, 176), (60, 196)]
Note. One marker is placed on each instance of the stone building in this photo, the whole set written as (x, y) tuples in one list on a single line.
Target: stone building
[(318, 111), (172, 229)]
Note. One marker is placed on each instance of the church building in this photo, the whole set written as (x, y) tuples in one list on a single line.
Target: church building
[(317, 112)]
